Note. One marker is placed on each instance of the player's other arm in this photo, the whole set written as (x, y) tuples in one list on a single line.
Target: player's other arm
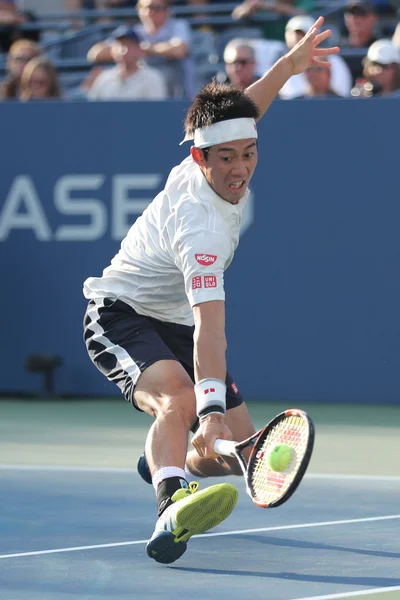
[(304, 54), (210, 375)]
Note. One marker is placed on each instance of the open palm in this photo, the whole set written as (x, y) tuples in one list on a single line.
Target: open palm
[(306, 52)]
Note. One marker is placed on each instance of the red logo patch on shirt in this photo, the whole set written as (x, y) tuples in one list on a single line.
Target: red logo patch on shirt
[(196, 282), (205, 259), (210, 281)]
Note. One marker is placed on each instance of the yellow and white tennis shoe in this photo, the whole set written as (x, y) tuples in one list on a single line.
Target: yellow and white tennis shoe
[(192, 512)]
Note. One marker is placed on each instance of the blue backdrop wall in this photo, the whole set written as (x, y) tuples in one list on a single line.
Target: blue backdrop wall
[(313, 294)]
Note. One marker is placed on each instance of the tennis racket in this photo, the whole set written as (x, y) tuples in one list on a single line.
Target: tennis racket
[(266, 487)]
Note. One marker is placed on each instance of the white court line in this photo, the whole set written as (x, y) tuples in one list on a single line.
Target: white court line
[(204, 535), (77, 469), (62, 468), (353, 594)]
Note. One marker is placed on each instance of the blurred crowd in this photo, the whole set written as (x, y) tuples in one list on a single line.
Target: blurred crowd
[(156, 56)]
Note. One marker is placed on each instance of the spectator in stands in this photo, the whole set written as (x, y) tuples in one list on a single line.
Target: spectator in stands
[(319, 82), (381, 71), (10, 21), (273, 29), (360, 20), (128, 80), (240, 64), (166, 43), (20, 53), (296, 86), (39, 80)]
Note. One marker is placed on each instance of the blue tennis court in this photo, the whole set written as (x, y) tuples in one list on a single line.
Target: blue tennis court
[(81, 533)]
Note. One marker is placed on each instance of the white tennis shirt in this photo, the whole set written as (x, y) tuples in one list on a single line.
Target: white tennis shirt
[(175, 254)]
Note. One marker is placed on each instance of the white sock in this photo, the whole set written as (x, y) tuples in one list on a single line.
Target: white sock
[(166, 472), (189, 475)]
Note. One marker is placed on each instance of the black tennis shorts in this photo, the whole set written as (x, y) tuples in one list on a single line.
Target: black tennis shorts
[(122, 344)]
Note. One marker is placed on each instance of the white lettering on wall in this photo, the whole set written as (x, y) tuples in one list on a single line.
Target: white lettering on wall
[(23, 194), (75, 196), (79, 196), (123, 206), (94, 209)]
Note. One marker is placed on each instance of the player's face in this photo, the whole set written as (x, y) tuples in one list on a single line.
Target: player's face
[(229, 167)]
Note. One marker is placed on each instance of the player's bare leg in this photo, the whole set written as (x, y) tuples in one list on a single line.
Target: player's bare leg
[(239, 422), (165, 392)]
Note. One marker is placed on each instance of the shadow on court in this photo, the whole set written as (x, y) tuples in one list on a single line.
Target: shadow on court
[(359, 581), (270, 541)]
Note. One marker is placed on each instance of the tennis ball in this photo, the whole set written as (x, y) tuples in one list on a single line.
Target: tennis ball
[(280, 457)]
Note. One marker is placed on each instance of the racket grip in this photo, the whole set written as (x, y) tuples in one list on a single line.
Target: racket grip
[(225, 447)]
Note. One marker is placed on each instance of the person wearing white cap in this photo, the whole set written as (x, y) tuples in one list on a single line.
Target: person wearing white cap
[(382, 68), (340, 80), (155, 321)]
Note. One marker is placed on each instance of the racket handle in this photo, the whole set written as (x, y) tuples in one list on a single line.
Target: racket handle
[(225, 447)]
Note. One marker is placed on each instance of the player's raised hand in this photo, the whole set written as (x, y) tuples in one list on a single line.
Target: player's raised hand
[(307, 52)]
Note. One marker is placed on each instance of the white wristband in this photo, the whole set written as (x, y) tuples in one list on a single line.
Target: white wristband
[(210, 397)]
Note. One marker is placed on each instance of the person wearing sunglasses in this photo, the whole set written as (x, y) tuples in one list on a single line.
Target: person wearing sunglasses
[(240, 64), (381, 75)]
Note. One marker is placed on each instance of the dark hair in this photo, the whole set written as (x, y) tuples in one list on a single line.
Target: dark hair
[(219, 102)]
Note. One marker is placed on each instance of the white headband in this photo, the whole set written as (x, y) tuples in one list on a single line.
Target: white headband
[(224, 131)]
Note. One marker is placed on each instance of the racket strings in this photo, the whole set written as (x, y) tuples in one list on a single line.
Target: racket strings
[(268, 485)]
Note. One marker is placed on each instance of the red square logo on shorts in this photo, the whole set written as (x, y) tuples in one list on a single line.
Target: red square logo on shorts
[(196, 282), (210, 281)]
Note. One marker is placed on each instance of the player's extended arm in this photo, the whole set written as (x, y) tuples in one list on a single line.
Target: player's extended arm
[(209, 340), (304, 54), (210, 375)]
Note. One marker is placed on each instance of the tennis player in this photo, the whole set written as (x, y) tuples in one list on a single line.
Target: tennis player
[(155, 322)]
